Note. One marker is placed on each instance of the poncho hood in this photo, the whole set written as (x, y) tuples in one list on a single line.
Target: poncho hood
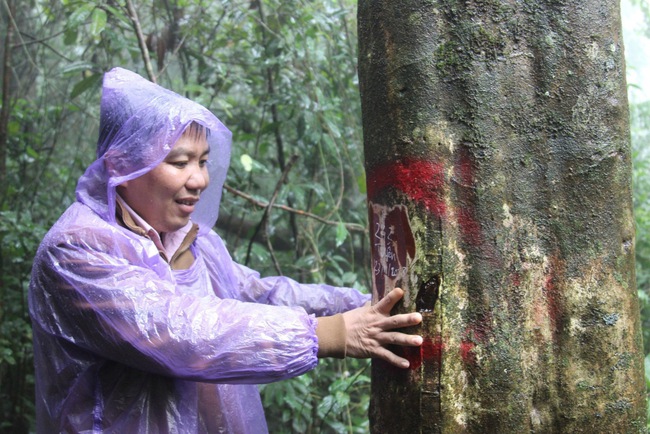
[(139, 124)]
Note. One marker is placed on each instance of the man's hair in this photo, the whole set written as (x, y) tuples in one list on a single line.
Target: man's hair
[(196, 131)]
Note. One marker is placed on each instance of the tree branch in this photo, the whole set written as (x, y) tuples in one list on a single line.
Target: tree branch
[(274, 109), (267, 213), (141, 41), (41, 41), (349, 226)]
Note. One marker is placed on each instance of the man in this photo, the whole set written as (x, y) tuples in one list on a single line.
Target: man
[(142, 321)]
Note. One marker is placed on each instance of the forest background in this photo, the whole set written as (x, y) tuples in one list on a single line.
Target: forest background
[(282, 75)]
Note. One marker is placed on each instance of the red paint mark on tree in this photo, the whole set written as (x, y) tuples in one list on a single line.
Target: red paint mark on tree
[(477, 333), (468, 204), (464, 176), (413, 355), (421, 180), (469, 226), (464, 168), (430, 351), (432, 348), (467, 353)]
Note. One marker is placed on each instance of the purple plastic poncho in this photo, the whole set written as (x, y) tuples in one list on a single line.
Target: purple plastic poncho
[(124, 344)]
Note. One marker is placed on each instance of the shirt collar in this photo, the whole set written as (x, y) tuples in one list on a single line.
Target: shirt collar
[(169, 242)]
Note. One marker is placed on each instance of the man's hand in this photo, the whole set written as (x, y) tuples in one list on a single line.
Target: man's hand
[(370, 328)]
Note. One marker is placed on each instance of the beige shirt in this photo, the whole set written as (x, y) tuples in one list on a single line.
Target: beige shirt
[(174, 247)]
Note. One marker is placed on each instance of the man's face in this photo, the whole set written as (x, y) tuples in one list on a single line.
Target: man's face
[(166, 196)]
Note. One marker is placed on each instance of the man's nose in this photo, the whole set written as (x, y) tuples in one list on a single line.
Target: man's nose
[(199, 179)]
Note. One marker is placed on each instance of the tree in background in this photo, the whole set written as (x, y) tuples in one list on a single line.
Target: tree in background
[(499, 183)]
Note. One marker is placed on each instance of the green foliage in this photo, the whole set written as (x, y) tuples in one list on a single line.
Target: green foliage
[(281, 74), (640, 128), (313, 403), (19, 237), (33, 195)]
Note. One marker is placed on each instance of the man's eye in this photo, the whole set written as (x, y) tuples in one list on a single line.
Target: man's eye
[(179, 164), (203, 163)]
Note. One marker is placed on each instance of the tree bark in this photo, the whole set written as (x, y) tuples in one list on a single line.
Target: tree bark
[(498, 168)]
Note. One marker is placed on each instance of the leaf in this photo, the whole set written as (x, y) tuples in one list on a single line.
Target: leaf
[(333, 128), (76, 67), (196, 88), (247, 162), (79, 16), (300, 127), (98, 22), (342, 399), (31, 152), (361, 183), (70, 36), (341, 234), (117, 13), (325, 406), (349, 278), (85, 84)]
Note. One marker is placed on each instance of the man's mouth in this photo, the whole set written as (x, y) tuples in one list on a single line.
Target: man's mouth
[(188, 202)]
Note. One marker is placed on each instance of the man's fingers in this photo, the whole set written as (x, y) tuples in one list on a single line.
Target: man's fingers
[(387, 303), (397, 338), (401, 320), (392, 358)]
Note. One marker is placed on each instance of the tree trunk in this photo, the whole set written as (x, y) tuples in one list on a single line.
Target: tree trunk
[(499, 185), (6, 94)]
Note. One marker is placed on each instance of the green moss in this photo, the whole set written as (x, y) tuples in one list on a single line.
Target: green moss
[(487, 41), (415, 19), (585, 385), (447, 60), (618, 276)]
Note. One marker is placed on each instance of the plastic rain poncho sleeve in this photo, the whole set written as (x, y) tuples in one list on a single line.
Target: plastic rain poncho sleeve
[(124, 344)]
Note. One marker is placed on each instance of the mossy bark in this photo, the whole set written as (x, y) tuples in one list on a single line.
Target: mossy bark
[(499, 185)]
